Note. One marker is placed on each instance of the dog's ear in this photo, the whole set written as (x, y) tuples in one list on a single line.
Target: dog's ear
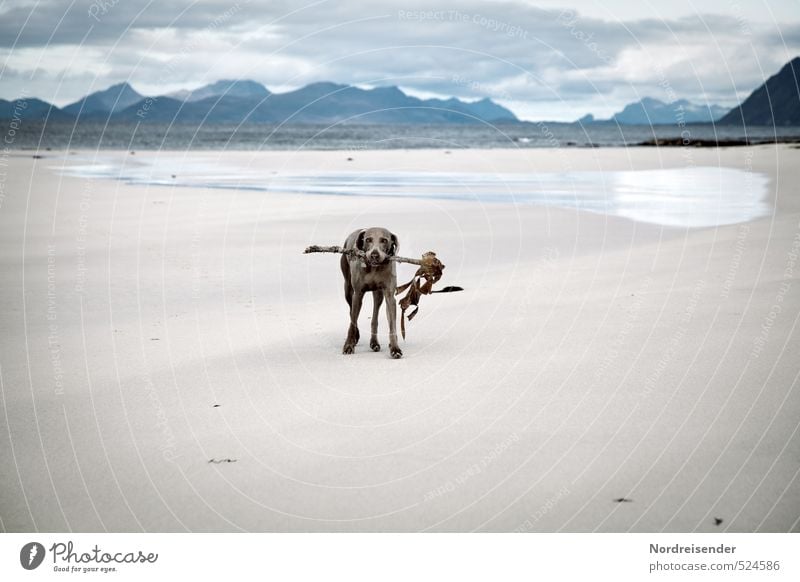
[(394, 245), (360, 240)]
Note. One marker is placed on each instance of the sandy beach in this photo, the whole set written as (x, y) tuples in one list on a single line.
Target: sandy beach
[(170, 361)]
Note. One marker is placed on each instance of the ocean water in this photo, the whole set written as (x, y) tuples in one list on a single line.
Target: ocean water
[(153, 136), (686, 197)]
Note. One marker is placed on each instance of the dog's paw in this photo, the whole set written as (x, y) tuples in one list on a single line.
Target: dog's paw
[(348, 349), (396, 353), (374, 345)]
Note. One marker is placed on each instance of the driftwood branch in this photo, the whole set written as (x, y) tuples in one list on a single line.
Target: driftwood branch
[(357, 254), (429, 272)]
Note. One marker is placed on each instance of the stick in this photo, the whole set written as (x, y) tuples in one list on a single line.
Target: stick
[(357, 254), (429, 272)]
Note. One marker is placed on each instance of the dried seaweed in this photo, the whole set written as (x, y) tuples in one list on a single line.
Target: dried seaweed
[(421, 283)]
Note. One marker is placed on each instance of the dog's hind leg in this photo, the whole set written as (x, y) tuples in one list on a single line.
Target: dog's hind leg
[(377, 301), (348, 288)]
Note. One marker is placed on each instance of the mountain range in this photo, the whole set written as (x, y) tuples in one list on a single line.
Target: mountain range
[(239, 101), (649, 111), (777, 102)]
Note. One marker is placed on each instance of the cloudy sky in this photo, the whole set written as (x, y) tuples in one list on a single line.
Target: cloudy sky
[(545, 59)]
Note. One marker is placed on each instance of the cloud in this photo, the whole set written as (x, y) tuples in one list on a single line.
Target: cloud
[(101, 22), (555, 61)]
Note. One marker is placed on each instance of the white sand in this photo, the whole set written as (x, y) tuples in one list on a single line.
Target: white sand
[(589, 359)]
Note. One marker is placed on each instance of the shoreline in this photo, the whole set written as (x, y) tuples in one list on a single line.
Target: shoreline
[(355, 137), (516, 159), (676, 142)]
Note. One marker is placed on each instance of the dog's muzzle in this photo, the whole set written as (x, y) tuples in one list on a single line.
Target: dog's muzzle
[(375, 259)]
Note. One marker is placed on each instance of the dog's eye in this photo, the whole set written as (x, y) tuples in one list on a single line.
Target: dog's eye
[(369, 240), (383, 240)]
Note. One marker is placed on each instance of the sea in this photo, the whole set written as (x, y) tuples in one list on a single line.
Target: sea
[(696, 197), (30, 135), (692, 197)]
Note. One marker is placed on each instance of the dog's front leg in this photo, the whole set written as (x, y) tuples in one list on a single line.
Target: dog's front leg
[(377, 300), (352, 331), (391, 314)]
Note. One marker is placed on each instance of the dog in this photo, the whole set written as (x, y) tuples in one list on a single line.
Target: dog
[(377, 273)]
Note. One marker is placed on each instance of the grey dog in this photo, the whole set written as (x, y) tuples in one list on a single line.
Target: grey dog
[(377, 274)]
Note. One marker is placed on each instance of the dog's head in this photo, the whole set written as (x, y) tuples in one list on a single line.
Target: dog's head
[(378, 245)]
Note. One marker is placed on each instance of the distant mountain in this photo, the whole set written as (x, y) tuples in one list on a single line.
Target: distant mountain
[(31, 109), (227, 87), (323, 102), (115, 98), (485, 109), (775, 102), (242, 101), (488, 110), (152, 109), (649, 111)]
